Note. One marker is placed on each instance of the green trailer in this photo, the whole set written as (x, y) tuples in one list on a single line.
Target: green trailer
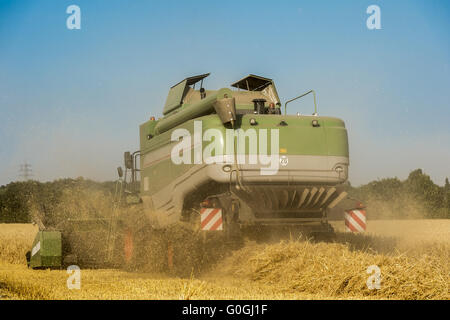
[(46, 251)]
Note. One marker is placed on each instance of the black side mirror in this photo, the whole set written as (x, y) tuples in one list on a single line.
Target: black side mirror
[(202, 93), (120, 172)]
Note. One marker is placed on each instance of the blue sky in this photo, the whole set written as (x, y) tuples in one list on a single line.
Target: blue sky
[(71, 100)]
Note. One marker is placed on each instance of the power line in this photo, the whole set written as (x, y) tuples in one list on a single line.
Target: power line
[(26, 171)]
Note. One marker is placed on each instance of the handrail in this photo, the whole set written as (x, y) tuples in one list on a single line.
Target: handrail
[(315, 105)]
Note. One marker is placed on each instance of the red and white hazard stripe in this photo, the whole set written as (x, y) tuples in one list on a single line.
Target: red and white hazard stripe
[(211, 219), (355, 220)]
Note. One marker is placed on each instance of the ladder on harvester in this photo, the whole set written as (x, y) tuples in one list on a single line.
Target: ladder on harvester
[(111, 240)]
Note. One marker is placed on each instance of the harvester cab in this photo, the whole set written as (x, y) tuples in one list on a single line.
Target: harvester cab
[(266, 90)]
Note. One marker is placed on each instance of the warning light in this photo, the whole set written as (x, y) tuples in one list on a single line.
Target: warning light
[(206, 203)]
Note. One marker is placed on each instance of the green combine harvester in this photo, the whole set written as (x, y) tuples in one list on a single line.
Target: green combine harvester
[(221, 162)]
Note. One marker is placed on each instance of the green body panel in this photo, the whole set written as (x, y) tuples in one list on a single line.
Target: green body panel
[(178, 92), (46, 250), (299, 137), (174, 97)]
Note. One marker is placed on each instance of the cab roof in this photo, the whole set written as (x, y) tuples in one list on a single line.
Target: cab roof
[(252, 83), (193, 80)]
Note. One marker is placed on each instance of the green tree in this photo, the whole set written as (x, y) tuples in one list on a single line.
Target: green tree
[(424, 189), (447, 198)]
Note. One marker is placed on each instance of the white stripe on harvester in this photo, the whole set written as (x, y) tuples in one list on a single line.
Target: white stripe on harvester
[(205, 213), (353, 222), (361, 216), (36, 248), (216, 217)]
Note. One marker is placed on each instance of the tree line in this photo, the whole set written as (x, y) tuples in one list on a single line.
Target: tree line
[(17, 199), (415, 197)]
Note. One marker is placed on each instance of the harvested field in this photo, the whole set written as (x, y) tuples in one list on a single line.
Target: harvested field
[(412, 255)]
